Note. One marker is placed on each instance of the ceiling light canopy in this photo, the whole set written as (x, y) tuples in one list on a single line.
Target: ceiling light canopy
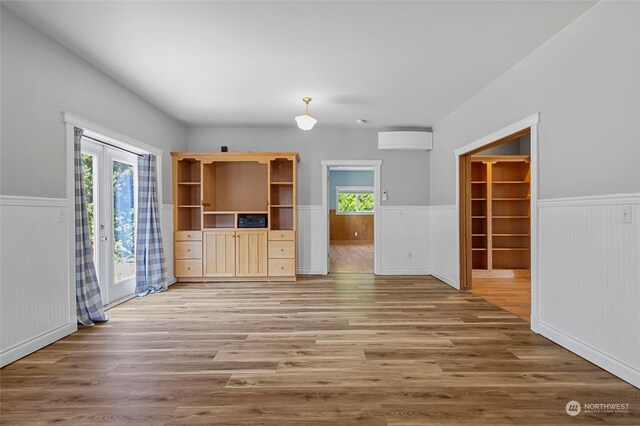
[(305, 121)]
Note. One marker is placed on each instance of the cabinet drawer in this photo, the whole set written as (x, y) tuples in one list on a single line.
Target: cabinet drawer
[(188, 250), (282, 267), (188, 236), (282, 249), (188, 268), (282, 235)]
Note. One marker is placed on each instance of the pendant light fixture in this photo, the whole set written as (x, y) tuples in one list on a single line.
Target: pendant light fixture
[(305, 121)]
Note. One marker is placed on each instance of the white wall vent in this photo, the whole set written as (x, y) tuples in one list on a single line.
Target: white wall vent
[(405, 140)]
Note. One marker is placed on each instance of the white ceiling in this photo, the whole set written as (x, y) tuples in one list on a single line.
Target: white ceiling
[(396, 64)]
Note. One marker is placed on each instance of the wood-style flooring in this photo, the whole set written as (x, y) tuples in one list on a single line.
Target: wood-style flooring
[(350, 258), (338, 350), (512, 294)]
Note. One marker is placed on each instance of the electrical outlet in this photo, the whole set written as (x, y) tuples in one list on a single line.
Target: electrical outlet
[(61, 216), (625, 214), (384, 195), (355, 233), (410, 255)]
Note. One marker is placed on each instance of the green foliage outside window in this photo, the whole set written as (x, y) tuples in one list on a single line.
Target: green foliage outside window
[(87, 175), (355, 202)]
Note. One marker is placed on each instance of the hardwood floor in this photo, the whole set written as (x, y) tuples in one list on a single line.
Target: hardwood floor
[(350, 257), (347, 349), (512, 294)]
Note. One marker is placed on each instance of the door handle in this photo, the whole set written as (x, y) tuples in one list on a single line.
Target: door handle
[(103, 238)]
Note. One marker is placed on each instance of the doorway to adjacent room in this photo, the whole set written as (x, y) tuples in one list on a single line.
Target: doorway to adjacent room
[(351, 212), (351, 190), (497, 208)]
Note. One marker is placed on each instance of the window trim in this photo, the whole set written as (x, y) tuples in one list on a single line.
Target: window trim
[(355, 190)]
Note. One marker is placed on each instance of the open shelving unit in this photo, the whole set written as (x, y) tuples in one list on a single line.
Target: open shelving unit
[(282, 194), (500, 205), (211, 192)]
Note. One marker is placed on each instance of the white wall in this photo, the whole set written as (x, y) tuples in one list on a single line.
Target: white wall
[(39, 80), (404, 173), (589, 282), (585, 83), (35, 298)]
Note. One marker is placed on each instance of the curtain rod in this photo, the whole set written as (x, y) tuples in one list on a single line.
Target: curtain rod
[(111, 145)]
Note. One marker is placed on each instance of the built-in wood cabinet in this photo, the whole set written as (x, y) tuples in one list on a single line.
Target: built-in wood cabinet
[(219, 253), (251, 254), (500, 215), (212, 192)]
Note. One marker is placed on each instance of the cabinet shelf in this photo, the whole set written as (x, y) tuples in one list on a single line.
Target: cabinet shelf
[(189, 206), (234, 212), (510, 249), (510, 182), (189, 183), (281, 183), (478, 181), (282, 205), (500, 209)]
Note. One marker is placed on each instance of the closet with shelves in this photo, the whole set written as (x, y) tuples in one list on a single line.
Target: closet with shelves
[(500, 208)]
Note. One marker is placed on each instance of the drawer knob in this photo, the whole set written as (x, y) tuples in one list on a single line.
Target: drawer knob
[(281, 249), (188, 249), (189, 268), (282, 267)]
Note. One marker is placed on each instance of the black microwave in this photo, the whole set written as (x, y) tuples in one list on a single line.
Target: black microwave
[(252, 221)]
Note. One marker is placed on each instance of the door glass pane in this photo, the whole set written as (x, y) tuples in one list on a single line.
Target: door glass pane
[(88, 176), (124, 221)]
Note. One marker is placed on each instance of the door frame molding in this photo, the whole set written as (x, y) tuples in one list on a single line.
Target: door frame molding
[(374, 165), (112, 137), (529, 123)]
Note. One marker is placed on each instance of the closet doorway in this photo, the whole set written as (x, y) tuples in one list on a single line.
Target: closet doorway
[(111, 185), (496, 180)]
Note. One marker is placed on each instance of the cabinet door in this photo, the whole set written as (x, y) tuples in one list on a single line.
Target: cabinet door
[(251, 254), (219, 257)]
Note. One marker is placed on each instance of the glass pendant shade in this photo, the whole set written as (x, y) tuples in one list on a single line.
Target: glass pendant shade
[(306, 122)]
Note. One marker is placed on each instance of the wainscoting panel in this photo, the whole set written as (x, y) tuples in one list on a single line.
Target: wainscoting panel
[(589, 280), (166, 227), (37, 300), (343, 227), (311, 241), (444, 244), (404, 240)]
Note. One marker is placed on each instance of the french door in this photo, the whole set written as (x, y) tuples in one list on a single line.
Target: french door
[(111, 185)]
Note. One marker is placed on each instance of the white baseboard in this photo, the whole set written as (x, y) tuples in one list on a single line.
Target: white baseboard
[(424, 271), (626, 372), (309, 271), (38, 342), (445, 278)]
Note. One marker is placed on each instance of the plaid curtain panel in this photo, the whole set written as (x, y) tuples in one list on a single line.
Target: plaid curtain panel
[(151, 267), (88, 299)]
